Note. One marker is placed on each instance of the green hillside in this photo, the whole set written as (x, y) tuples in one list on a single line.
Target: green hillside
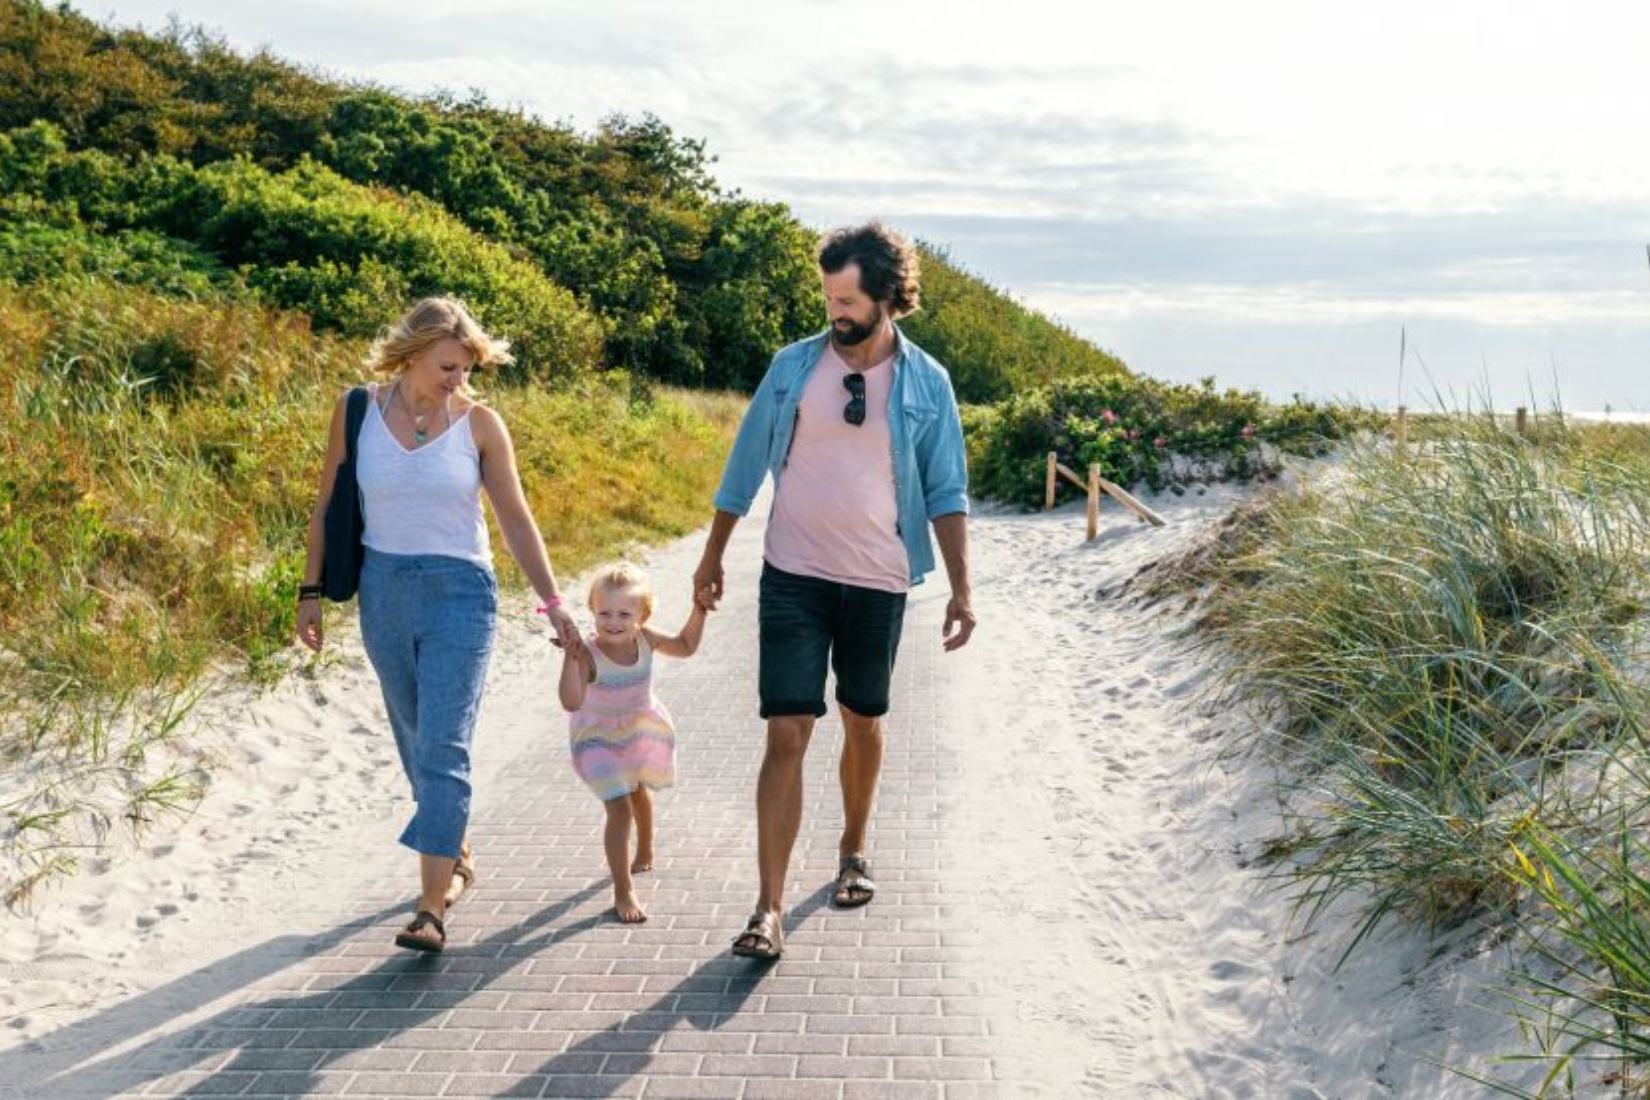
[(340, 198)]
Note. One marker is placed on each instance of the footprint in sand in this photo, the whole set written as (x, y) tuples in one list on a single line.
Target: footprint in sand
[(1229, 970)]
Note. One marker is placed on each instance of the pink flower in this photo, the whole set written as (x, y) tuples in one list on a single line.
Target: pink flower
[(1107, 415), (1133, 433), (1160, 441), (1248, 431)]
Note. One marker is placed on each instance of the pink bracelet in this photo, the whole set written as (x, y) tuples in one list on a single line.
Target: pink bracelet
[(544, 609)]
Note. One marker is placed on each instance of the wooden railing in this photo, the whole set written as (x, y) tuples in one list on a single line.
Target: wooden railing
[(1094, 487)]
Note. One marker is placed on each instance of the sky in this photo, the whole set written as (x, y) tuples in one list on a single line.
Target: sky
[(1438, 203)]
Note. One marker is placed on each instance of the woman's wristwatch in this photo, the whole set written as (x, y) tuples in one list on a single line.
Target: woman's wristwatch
[(308, 592)]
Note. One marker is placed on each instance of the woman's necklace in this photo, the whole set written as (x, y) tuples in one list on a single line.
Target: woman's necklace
[(420, 421)]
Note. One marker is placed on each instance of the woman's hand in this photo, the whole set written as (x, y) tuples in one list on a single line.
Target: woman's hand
[(309, 624), (566, 630)]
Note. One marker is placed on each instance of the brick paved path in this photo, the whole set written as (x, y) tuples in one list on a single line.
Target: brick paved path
[(541, 993)]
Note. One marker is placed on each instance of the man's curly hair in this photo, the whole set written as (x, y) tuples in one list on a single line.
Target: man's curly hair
[(889, 270)]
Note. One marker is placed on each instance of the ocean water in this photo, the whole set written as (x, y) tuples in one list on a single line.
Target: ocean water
[(1614, 416), (1590, 416)]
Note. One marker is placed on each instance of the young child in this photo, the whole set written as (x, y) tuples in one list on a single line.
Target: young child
[(622, 738)]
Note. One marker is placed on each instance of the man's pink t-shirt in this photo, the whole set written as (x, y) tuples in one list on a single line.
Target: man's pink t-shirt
[(834, 514)]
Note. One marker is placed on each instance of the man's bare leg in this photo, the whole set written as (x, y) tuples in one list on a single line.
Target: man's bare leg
[(779, 807), (859, 770)]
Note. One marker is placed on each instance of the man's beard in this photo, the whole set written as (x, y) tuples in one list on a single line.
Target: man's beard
[(856, 333)]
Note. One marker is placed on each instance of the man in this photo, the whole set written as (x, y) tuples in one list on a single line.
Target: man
[(859, 429)]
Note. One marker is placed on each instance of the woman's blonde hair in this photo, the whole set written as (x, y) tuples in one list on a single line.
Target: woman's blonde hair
[(627, 577), (428, 323)]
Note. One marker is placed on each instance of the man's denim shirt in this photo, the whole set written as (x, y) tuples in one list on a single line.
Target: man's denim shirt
[(930, 468)]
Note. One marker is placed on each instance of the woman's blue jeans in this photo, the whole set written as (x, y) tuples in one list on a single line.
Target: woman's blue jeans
[(427, 622)]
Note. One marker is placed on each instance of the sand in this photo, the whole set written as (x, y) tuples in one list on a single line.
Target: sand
[(1108, 852), (1113, 846)]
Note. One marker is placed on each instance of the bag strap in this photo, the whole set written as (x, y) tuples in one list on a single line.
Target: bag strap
[(355, 414)]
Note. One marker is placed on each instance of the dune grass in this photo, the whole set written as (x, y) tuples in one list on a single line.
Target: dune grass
[(1446, 646), (160, 458)]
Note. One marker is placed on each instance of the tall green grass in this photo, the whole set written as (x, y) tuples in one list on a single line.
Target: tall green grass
[(1446, 646), (158, 461)]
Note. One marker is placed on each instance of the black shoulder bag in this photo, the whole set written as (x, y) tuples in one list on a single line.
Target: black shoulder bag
[(341, 566)]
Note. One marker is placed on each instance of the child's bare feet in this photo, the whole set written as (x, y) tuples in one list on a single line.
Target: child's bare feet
[(628, 909), (643, 862)]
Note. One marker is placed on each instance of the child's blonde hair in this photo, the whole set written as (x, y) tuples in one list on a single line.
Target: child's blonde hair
[(627, 577), (428, 323)]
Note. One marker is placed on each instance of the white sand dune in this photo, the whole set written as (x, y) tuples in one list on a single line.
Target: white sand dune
[(1112, 846), (1105, 853)]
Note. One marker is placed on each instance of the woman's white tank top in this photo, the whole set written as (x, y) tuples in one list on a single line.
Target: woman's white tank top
[(422, 501)]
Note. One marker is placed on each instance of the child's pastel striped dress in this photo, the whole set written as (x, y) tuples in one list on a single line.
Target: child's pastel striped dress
[(622, 737)]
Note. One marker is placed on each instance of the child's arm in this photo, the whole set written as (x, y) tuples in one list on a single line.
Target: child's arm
[(684, 643), (575, 674)]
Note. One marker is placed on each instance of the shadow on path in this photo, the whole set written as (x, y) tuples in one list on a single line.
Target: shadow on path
[(114, 1027), (292, 1035), (716, 991)]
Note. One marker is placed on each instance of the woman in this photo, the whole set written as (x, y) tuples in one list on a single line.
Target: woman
[(428, 599)]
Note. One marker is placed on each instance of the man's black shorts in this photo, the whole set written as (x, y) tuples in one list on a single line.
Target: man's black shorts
[(804, 621)]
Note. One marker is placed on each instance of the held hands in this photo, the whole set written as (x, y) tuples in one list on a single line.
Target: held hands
[(707, 584), (959, 622), (565, 630), (579, 654), (705, 597)]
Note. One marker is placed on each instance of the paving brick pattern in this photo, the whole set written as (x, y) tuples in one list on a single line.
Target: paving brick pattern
[(541, 994)]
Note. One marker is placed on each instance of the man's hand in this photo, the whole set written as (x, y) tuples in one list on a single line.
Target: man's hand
[(707, 583), (959, 623)]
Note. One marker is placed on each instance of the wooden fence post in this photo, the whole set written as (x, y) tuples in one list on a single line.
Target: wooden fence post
[(1095, 486), (1521, 420), (1401, 430), (1094, 500)]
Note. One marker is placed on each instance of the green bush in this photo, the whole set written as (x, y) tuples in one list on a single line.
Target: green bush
[(1141, 432), (351, 257), (37, 252)]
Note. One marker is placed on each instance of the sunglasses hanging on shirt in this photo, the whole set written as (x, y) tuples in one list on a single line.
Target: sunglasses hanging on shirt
[(854, 411)]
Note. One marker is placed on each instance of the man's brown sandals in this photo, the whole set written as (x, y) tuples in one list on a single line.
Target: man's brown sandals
[(425, 933), (761, 939), (853, 883)]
